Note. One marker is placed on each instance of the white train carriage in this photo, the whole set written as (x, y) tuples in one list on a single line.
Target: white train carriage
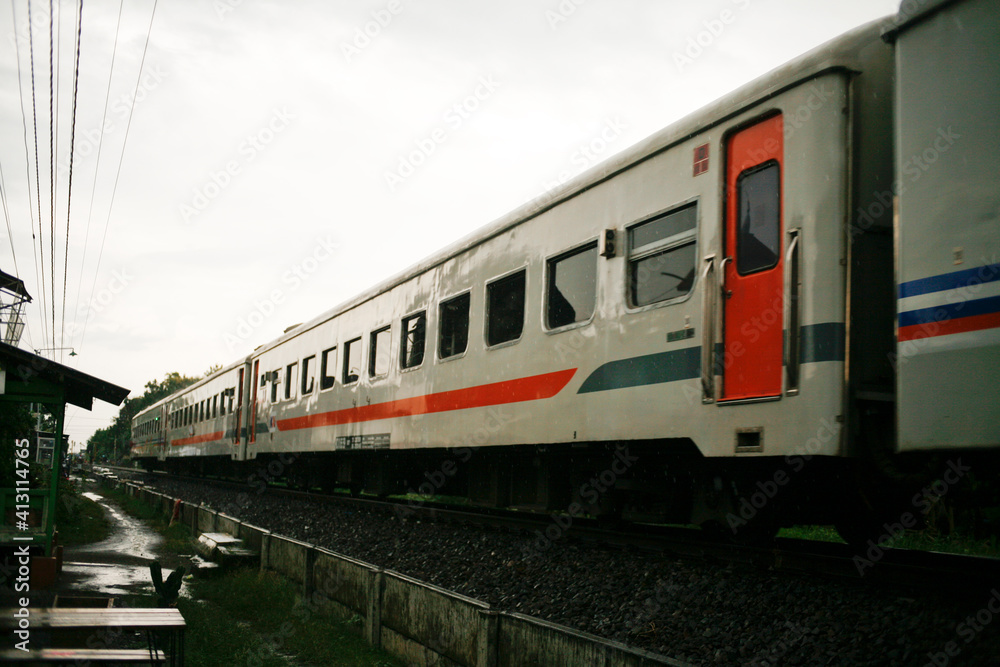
[(148, 434), (705, 318), (202, 420), (948, 253)]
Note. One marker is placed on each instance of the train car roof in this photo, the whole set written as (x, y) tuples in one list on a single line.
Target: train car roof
[(841, 53), (910, 13), (191, 387)]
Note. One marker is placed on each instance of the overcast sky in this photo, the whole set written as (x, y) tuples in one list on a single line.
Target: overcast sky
[(281, 156)]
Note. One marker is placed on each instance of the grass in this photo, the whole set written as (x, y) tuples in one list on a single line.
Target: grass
[(80, 520), (921, 540), (248, 617), (267, 622)]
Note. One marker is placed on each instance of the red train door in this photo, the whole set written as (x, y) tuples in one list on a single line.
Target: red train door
[(238, 422), (753, 310), (253, 406)]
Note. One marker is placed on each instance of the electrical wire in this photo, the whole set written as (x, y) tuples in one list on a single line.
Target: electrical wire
[(38, 182), (97, 169), (52, 167), (121, 158), (27, 158), (72, 144)]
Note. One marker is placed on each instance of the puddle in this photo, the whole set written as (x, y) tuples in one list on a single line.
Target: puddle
[(117, 566)]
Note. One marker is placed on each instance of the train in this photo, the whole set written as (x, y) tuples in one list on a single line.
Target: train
[(783, 308)]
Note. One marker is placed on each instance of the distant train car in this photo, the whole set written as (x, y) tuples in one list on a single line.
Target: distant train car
[(714, 326)]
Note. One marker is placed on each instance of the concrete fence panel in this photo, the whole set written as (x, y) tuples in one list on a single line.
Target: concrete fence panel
[(227, 524), (524, 640), (344, 585), (427, 625), (252, 536), (289, 557), (206, 520)]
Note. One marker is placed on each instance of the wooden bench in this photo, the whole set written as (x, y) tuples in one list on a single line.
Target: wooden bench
[(57, 620), (77, 656)]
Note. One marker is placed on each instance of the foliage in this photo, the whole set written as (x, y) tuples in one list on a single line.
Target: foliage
[(111, 443), (15, 422)]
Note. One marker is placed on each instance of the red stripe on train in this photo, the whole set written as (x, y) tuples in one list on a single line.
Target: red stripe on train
[(945, 327), (195, 439), (530, 388)]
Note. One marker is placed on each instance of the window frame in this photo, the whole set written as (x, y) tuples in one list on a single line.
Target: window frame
[(486, 308), (324, 367), (569, 252), (373, 353), (668, 244), (740, 178), (291, 380), (307, 373), (403, 337), (273, 378), (346, 361), (440, 331)]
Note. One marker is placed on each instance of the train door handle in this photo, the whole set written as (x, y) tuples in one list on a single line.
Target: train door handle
[(726, 293)]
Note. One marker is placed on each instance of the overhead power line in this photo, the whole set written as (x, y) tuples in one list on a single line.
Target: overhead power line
[(121, 158), (72, 144), (100, 151)]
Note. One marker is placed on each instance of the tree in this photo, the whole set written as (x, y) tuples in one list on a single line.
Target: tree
[(111, 442)]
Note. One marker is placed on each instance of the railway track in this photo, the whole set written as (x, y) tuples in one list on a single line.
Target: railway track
[(872, 564)]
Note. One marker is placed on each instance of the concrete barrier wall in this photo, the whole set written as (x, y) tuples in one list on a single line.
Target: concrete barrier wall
[(524, 640), (206, 520), (289, 557), (423, 624), (252, 536), (227, 524), (347, 589)]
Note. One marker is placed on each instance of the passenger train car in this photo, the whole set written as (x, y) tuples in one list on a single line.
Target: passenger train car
[(781, 308)]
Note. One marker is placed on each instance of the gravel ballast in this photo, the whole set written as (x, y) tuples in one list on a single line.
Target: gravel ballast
[(703, 613)]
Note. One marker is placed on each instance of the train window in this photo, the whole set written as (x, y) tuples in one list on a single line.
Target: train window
[(411, 352), (505, 308), (291, 376), (327, 364), (661, 256), (201, 411), (454, 326), (352, 361), (274, 385), (379, 353), (758, 237), (308, 381), (222, 402), (572, 287)]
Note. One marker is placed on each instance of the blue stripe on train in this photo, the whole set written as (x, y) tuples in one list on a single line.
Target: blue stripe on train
[(820, 342), (950, 311), (965, 278)]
